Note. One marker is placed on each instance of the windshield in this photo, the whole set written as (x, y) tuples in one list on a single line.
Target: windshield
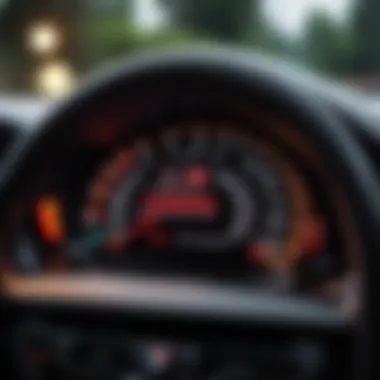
[(47, 46)]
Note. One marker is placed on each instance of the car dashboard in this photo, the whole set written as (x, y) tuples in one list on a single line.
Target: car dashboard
[(188, 200)]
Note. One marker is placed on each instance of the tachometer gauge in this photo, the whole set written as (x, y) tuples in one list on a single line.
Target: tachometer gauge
[(191, 197)]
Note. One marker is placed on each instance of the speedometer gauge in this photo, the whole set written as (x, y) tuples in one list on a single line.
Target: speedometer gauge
[(196, 195)]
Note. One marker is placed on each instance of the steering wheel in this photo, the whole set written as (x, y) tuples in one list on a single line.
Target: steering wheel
[(249, 75)]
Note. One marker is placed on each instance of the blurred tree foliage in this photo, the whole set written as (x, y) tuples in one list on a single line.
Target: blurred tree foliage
[(327, 45), (226, 20), (365, 21), (106, 32), (268, 39), (190, 22), (110, 36)]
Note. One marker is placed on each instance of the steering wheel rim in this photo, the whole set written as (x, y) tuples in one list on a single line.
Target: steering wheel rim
[(252, 74)]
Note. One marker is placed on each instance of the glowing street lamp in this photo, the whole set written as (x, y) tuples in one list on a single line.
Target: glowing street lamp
[(43, 38), (55, 78)]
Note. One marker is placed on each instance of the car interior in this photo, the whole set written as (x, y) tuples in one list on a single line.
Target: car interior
[(209, 215)]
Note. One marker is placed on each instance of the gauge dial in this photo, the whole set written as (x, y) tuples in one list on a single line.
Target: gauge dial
[(197, 194)]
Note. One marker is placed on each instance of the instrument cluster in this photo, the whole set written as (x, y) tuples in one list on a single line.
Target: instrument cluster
[(235, 200), (198, 200)]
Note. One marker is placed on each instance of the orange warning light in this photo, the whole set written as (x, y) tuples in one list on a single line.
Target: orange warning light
[(49, 220)]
